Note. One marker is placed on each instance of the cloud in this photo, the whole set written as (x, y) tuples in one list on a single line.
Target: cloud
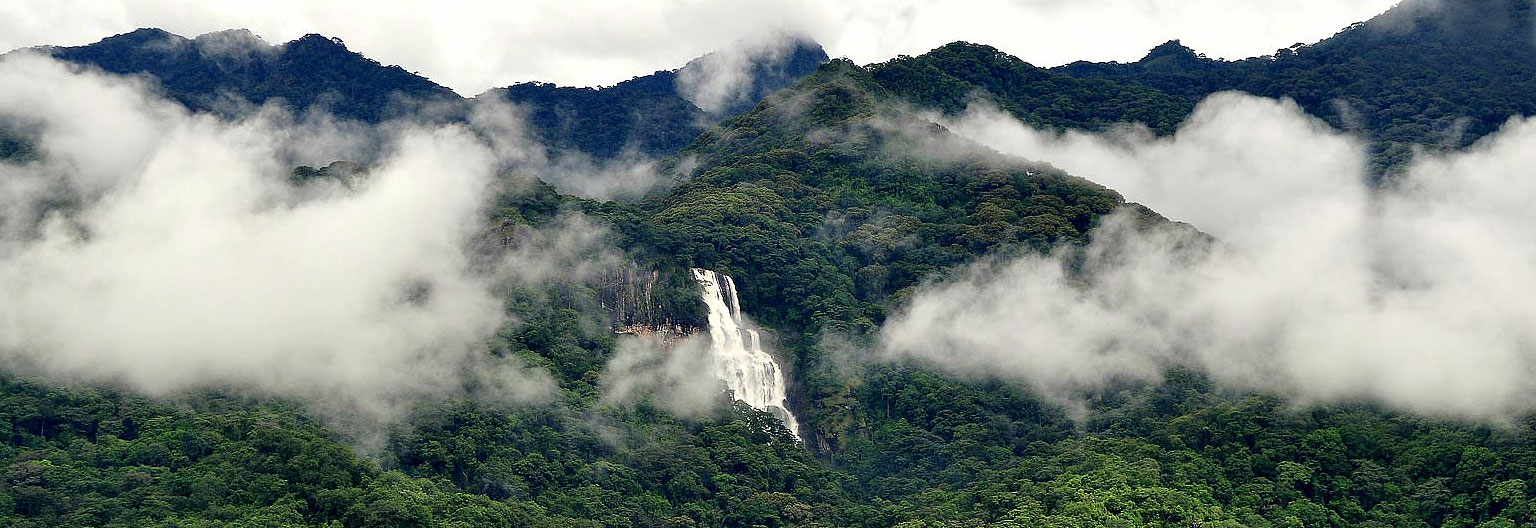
[(1321, 287), (723, 80), (474, 45), (504, 126), (678, 377), (167, 252), (571, 248), (1236, 164), (628, 177)]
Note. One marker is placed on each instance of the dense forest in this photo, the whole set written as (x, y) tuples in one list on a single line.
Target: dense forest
[(650, 115), (229, 71), (232, 72), (832, 200), (1437, 74), (1425, 74)]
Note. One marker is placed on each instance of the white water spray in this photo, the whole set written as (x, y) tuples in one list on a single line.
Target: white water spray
[(753, 376)]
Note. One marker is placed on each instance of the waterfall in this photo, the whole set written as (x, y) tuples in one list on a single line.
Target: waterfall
[(753, 376)]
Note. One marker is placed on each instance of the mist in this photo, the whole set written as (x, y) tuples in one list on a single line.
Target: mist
[(722, 81), (1318, 286), (678, 377), (163, 251), (504, 127)]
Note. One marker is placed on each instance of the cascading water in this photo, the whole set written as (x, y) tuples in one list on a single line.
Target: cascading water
[(752, 374)]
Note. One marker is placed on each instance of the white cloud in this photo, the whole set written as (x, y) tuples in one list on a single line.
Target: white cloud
[(175, 255), (1322, 287), (676, 376)]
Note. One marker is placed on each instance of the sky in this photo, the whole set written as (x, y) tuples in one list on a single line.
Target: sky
[(475, 45)]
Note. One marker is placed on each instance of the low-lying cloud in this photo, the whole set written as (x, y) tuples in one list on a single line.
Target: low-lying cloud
[(723, 80), (1320, 286), (504, 126), (678, 377), (167, 251)]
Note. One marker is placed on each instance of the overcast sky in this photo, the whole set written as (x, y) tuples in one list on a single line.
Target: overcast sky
[(472, 45)]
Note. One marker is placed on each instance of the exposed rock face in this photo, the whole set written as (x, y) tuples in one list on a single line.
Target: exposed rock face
[(629, 296)]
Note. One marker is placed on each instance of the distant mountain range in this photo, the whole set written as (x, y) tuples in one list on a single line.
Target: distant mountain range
[(1424, 73), (654, 115), (230, 70), (658, 114)]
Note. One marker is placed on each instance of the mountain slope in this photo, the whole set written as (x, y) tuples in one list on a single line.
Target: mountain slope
[(1425, 72), (656, 115), (828, 202), (831, 199), (221, 71), (833, 161), (642, 114), (953, 76)]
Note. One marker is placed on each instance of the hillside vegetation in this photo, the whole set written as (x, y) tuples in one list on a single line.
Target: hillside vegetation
[(830, 201)]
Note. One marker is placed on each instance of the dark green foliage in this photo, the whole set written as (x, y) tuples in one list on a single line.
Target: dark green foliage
[(226, 72), (953, 76), (211, 72), (737, 470), (643, 115), (817, 203), (1425, 73), (342, 172), (98, 458), (778, 64), (16, 147), (647, 115), (820, 205)]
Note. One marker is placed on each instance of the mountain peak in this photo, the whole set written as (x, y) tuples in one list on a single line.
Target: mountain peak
[(143, 41), (1460, 19), (1174, 57), (1172, 48), (317, 42), (961, 45), (143, 35), (238, 34), (312, 71), (732, 81), (231, 43), (659, 114)]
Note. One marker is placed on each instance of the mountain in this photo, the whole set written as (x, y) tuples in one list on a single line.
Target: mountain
[(224, 71), (1424, 73), (953, 76), (654, 115), (837, 147), (657, 115), (831, 201)]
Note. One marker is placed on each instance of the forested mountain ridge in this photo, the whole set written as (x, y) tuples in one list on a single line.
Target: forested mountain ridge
[(652, 115), (838, 148), (955, 75), (1424, 73), (228, 70)]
